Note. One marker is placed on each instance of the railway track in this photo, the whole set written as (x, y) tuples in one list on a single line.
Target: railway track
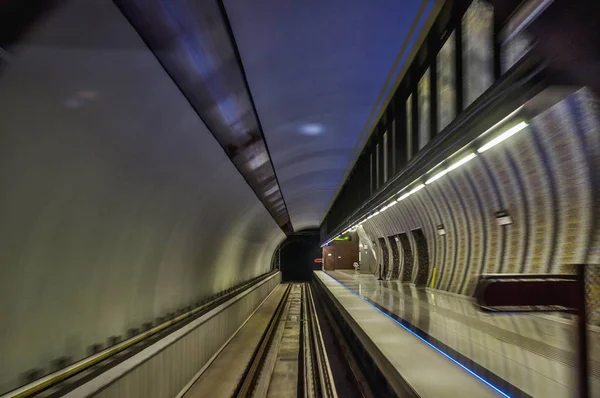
[(290, 360)]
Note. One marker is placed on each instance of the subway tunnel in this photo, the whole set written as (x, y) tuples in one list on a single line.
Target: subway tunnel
[(164, 165)]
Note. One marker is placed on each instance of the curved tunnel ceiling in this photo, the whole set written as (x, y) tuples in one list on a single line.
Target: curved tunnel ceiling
[(286, 88), (192, 41), (315, 70)]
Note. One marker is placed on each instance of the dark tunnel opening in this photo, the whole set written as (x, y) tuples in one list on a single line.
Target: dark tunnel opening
[(296, 256)]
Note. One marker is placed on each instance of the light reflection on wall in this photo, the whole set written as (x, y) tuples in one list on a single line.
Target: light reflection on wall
[(311, 129)]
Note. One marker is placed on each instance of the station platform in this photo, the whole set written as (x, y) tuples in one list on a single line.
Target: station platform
[(521, 354), (429, 373)]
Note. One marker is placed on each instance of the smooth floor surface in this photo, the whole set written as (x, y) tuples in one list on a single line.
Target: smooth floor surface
[(535, 353), (428, 372)]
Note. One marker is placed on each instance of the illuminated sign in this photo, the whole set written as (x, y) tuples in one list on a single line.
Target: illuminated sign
[(344, 237), (503, 218), (318, 260)]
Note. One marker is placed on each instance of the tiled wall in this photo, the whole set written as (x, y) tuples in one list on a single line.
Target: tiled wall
[(546, 177)]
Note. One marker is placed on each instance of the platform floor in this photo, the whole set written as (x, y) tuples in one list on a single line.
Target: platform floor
[(221, 377), (427, 371), (535, 353)]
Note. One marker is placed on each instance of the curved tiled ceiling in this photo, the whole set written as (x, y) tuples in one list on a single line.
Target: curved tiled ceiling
[(315, 70)]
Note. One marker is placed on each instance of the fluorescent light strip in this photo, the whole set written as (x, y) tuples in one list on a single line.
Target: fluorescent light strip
[(508, 133), (462, 161), (425, 341), (406, 195), (437, 176), (501, 122), (389, 205), (415, 189), (452, 167)]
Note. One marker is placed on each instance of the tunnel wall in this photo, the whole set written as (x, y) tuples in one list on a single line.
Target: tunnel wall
[(186, 356), (117, 204), (545, 177)]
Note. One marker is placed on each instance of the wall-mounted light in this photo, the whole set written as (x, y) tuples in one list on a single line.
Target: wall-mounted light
[(466, 158), (441, 230), (503, 218), (437, 176), (508, 133), (462, 161), (415, 189)]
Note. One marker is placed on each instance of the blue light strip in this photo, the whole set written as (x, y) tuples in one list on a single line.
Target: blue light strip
[(425, 341)]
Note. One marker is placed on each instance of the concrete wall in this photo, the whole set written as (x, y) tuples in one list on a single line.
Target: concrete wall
[(546, 178), (167, 372), (117, 205)]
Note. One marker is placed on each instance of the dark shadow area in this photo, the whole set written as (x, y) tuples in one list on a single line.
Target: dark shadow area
[(296, 256)]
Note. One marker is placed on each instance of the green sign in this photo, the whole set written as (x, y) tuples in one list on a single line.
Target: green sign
[(344, 237)]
